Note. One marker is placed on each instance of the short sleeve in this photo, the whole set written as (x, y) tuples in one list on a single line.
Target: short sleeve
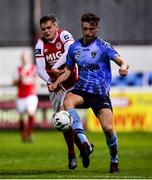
[(67, 39)]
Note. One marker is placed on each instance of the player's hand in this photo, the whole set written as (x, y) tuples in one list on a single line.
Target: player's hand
[(56, 87), (123, 70), (52, 86), (57, 72)]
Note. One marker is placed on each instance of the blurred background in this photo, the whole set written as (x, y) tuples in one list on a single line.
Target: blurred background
[(126, 24)]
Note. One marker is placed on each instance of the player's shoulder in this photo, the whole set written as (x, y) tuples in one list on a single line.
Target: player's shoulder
[(74, 46), (100, 41), (39, 43), (103, 43), (34, 67), (19, 68), (65, 35)]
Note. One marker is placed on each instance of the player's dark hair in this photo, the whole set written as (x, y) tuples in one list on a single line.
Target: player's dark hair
[(50, 17), (90, 18)]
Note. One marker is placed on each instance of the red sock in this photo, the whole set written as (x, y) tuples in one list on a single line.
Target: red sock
[(31, 121), (69, 138), (22, 129)]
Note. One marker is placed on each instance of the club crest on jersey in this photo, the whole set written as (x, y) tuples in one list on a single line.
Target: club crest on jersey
[(93, 54), (78, 54), (58, 45)]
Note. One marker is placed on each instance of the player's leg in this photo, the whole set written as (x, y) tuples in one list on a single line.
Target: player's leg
[(20, 107), (77, 142), (102, 108), (22, 128), (32, 102), (69, 138), (56, 99), (70, 102), (105, 117), (75, 139)]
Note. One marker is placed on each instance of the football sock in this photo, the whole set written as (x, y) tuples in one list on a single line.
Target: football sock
[(77, 141), (77, 126), (21, 125), (31, 121), (22, 129), (112, 143), (69, 138)]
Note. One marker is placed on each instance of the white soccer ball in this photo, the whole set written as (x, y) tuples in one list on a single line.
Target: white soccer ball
[(62, 121)]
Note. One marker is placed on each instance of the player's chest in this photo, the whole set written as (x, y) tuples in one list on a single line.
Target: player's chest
[(87, 55), (25, 71), (53, 51)]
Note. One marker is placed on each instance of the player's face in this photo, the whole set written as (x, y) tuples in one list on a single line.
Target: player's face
[(24, 59), (49, 30), (89, 31)]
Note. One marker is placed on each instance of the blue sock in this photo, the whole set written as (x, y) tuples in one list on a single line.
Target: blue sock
[(112, 143), (77, 125)]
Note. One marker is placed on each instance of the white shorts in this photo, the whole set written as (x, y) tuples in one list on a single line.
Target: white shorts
[(56, 98), (27, 104)]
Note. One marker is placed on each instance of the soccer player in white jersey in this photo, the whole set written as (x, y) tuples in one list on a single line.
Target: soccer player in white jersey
[(92, 56), (27, 100), (52, 46)]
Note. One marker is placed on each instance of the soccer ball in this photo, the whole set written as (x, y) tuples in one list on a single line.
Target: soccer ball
[(62, 121)]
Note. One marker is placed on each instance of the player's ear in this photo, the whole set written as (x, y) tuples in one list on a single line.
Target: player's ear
[(97, 28)]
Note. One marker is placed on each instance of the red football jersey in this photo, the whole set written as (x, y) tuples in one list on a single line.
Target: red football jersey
[(52, 52), (27, 77)]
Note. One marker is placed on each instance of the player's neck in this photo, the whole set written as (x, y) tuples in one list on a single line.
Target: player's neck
[(88, 41), (26, 66), (54, 38)]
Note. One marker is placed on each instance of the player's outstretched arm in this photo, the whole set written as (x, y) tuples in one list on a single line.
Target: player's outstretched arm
[(123, 70), (63, 77), (56, 71)]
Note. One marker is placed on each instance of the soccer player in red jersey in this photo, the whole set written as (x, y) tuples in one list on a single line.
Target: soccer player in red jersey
[(52, 46), (27, 100)]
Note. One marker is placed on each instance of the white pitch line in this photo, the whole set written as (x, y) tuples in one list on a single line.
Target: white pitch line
[(106, 177)]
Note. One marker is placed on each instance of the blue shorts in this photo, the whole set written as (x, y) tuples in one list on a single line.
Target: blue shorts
[(94, 101)]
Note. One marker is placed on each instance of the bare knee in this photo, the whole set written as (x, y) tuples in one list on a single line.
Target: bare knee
[(72, 100), (105, 117), (69, 101), (68, 104)]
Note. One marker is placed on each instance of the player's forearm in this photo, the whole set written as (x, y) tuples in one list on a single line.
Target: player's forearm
[(121, 63), (61, 61), (124, 65), (63, 77), (41, 70), (60, 79), (43, 75), (123, 70)]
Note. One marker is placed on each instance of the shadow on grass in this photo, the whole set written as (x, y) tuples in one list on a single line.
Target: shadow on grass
[(45, 172)]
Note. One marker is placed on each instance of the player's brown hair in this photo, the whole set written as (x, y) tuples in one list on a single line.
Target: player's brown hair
[(50, 17), (90, 18)]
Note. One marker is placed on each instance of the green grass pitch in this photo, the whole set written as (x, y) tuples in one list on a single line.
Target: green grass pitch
[(46, 157)]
